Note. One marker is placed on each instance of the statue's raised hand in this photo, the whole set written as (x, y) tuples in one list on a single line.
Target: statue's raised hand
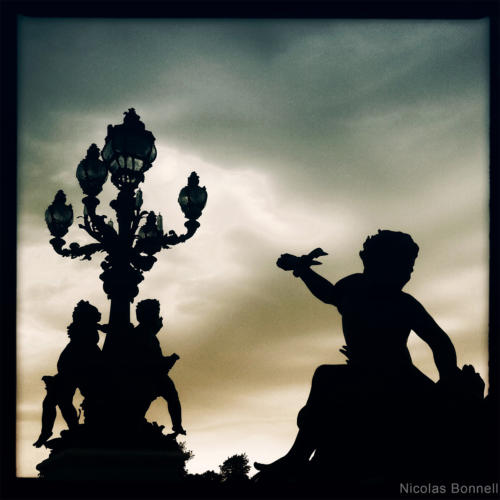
[(290, 262), (314, 254), (287, 262)]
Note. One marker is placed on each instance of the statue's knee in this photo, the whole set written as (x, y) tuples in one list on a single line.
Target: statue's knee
[(49, 401), (169, 387), (330, 376), (168, 391), (303, 418), (51, 396), (322, 372)]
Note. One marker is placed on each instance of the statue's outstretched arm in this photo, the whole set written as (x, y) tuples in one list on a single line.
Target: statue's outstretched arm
[(320, 287)]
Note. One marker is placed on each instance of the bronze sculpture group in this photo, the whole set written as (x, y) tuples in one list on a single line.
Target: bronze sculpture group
[(118, 383), (378, 392), (82, 365), (372, 399)]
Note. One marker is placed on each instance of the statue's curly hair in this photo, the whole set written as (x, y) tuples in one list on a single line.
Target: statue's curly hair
[(147, 308), (84, 325), (388, 245), (85, 312)]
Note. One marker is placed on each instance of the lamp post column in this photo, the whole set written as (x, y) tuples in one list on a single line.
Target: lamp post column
[(120, 279)]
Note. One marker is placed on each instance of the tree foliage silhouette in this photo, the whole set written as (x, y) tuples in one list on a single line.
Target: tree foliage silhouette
[(211, 476), (235, 468)]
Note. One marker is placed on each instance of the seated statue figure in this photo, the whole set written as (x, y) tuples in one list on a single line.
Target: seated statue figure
[(149, 367), (377, 318), (78, 367)]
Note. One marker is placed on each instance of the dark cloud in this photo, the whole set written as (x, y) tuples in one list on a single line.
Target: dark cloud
[(309, 99)]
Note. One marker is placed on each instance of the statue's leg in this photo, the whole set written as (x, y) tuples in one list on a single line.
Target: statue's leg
[(48, 412), (65, 403), (326, 384), (169, 393), (329, 385)]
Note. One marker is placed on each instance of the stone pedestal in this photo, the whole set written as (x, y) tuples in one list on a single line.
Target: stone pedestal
[(114, 465), (85, 454)]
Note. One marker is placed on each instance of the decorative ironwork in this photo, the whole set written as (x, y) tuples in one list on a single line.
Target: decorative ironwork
[(128, 153)]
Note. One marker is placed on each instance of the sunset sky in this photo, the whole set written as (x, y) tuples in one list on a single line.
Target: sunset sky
[(306, 133)]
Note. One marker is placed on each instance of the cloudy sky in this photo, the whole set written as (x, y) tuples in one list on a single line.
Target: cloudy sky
[(305, 133)]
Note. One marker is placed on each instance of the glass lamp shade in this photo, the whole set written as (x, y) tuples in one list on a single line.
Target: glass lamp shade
[(150, 235), (129, 150), (92, 172), (193, 198), (59, 216)]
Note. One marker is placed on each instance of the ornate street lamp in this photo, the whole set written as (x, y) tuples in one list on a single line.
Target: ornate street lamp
[(150, 237), (128, 152), (193, 198), (59, 216), (92, 172), (129, 249)]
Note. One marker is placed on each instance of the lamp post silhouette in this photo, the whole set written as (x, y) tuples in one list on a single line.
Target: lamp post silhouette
[(116, 440), (128, 152)]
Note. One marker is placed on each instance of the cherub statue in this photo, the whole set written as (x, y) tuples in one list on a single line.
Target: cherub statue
[(151, 367), (78, 366), (377, 318)]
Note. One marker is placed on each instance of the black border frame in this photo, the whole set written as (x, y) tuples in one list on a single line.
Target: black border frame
[(10, 485)]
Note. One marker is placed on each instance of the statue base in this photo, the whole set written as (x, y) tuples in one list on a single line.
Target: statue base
[(85, 453), (114, 465)]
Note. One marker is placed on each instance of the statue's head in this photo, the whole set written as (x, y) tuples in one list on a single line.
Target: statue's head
[(147, 311), (85, 319), (85, 312), (389, 257)]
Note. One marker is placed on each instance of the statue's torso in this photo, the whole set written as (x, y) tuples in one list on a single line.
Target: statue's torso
[(376, 323)]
